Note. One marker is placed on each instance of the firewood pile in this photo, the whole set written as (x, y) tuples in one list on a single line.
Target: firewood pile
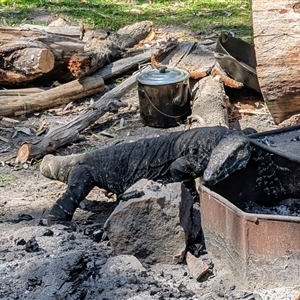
[(43, 67)]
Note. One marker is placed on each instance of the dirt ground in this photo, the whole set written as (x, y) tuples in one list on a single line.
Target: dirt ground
[(26, 197), (25, 192)]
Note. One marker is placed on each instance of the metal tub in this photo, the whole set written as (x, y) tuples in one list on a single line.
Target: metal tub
[(263, 250)]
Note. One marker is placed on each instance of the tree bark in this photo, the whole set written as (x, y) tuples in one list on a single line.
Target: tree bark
[(99, 52), (276, 27), (24, 102), (109, 102), (209, 103), (28, 55), (74, 90)]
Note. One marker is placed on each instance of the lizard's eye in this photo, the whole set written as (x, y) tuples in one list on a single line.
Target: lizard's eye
[(231, 156)]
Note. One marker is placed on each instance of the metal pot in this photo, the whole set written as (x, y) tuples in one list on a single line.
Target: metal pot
[(164, 97), (238, 59)]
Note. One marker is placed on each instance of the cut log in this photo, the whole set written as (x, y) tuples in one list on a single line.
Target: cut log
[(98, 53), (45, 53), (57, 167), (23, 62), (74, 90), (27, 55), (276, 27), (209, 103), (109, 102)]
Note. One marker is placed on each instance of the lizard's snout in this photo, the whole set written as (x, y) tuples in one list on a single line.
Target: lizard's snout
[(209, 176)]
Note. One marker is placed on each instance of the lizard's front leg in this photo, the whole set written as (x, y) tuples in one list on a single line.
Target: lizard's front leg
[(186, 169), (80, 183)]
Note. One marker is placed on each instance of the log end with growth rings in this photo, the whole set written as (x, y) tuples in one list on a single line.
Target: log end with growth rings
[(23, 153), (46, 61)]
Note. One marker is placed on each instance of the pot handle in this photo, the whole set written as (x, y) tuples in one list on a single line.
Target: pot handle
[(182, 95)]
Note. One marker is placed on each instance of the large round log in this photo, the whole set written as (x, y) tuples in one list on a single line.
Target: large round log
[(276, 28), (24, 62)]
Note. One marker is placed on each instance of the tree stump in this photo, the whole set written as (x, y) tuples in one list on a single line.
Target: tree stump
[(276, 28)]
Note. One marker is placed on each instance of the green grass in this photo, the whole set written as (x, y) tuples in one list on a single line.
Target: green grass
[(202, 16), (4, 177)]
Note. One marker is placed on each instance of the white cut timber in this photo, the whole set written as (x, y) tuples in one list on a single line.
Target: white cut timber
[(276, 30)]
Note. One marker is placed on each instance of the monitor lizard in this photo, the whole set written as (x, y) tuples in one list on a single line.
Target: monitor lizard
[(211, 152)]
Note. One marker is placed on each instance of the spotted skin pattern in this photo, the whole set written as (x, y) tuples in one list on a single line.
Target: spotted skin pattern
[(211, 152)]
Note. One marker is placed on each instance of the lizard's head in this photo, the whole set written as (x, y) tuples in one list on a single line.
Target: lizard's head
[(231, 154)]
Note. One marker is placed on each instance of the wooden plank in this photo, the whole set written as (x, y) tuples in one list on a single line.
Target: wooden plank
[(276, 28)]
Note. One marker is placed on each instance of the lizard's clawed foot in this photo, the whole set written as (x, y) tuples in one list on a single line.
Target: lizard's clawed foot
[(52, 220)]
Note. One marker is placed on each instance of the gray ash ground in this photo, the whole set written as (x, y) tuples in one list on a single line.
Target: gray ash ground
[(37, 262)]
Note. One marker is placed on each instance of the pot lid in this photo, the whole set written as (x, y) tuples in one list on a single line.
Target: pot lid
[(162, 75)]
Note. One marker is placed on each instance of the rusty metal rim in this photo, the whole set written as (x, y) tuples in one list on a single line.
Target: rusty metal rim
[(248, 216)]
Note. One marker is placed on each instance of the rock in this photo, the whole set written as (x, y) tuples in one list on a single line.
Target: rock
[(123, 264), (60, 277), (20, 242), (48, 232), (197, 267), (32, 245), (154, 227), (24, 217)]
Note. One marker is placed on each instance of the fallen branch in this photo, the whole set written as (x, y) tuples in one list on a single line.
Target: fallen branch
[(109, 102), (74, 90), (98, 53)]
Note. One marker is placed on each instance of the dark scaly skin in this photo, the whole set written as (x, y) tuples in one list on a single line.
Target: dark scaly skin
[(267, 178), (220, 166), (175, 157)]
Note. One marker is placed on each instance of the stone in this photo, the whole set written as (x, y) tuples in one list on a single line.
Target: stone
[(155, 226), (197, 267), (123, 264)]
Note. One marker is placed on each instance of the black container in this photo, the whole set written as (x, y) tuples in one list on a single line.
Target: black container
[(164, 97), (284, 147), (238, 59)]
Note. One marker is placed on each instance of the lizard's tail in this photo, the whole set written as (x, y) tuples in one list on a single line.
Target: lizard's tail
[(58, 167)]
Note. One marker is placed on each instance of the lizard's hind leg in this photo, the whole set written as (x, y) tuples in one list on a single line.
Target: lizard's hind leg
[(80, 183)]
